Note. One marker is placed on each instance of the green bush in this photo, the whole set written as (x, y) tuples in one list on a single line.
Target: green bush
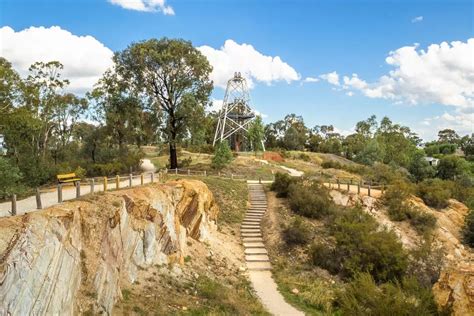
[(325, 256), (434, 192), (10, 179), (186, 162), (331, 164), (304, 157), (364, 297), (310, 200), (281, 184), (426, 262), (422, 222), (297, 233), (222, 156), (468, 230), (395, 199), (361, 246), (451, 167)]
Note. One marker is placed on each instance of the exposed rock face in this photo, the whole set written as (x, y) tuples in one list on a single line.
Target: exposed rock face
[(75, 256), (455, 287)]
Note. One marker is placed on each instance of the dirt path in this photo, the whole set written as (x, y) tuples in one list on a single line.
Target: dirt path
[(50, 198), (256, 256)]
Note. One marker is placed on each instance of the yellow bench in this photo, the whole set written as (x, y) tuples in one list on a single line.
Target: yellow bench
[(67, 178)]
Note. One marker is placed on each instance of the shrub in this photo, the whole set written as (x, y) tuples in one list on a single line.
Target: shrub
[(310, 200), (364, 297), (331, 164), (186, 162), (325, 256), (395, 199), (423, 222), (452, 166), (434, 192), (468, 230), (304, 157), (10, 179), (297, 233), (362, 247), (281, 184), (426, 262), (222, 156)]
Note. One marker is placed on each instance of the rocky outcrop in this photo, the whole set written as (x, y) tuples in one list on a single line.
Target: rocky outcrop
[(454, 289), (75, 256)]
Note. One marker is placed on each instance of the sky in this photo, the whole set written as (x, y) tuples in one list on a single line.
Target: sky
[(332, 62)]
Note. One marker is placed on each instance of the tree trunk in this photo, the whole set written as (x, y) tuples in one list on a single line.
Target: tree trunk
[(173, 155)]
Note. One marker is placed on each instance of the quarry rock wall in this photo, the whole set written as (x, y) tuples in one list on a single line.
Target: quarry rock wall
[(73, 257)]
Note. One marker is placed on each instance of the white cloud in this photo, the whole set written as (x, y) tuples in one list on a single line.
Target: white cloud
[(244, 58), (462, 123), (84, 58), (311, 79), (145, 5), (443, 74), (332, 78), (417, 19)]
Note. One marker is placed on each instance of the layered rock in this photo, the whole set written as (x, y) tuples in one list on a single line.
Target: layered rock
[(455, 287), (75, 256)]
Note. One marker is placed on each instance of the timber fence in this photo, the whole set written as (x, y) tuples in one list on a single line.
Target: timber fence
[(45, 197)]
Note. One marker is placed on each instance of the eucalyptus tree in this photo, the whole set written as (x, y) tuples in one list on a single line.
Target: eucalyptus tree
[(174, 75)]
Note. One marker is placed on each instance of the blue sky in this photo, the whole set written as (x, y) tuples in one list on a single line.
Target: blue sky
[(312, 38)]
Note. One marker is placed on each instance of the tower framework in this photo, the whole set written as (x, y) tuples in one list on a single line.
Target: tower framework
[(235, 115)]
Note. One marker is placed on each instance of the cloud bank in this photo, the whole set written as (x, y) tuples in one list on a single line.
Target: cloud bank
[(84, 58), (244, 58), (145, 5), (442, 74)]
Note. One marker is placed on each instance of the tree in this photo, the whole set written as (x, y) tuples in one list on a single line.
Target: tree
[(10, 86), (9, 181), (452, 166), (222, 155), (448, 136), (420, 168), (174, 75), (255, 134)]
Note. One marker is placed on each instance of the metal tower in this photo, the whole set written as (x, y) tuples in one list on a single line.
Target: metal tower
[(235, 115)]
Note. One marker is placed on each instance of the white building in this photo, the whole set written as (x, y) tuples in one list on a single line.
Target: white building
[(432, 161), (3, 150)]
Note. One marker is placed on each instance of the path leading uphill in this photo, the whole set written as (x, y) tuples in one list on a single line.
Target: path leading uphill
[(256, 255)]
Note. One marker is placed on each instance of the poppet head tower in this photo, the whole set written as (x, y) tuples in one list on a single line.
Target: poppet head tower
[(235, 115)]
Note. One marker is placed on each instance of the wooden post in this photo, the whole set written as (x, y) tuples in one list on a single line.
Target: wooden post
[(368, 188), (13, 205), (152, 176), (105, 184), (338, 184), (78, 189), (176, 171), (117, 182), (383, 188), (130, 180), (60, 193), (232, 176), (189, 172), (358, 187), (39, 205), (205, 173), (260, 180), (92, 186), (348, 187), (142, 180), (219, 173)]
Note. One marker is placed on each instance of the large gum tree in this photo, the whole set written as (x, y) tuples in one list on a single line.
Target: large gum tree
[(174, 75)]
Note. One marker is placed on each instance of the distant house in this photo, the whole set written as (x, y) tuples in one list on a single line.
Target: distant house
[(432, 161)]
